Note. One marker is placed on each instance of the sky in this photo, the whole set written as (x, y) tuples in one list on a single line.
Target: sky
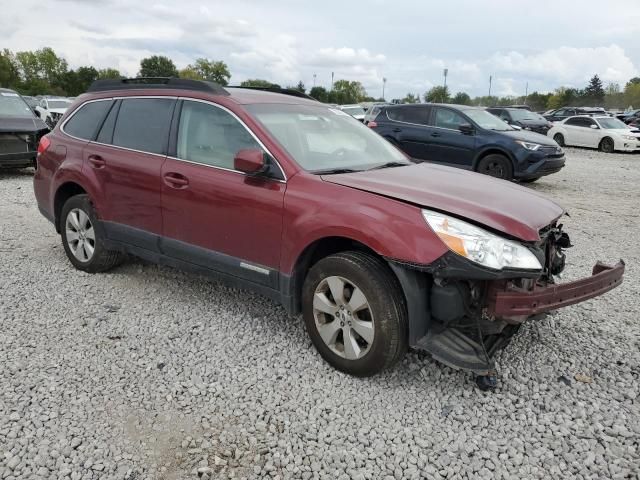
[(542, 43)]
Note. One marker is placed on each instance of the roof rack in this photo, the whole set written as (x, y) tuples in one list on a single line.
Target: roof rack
[(284, 91), (156, 82)]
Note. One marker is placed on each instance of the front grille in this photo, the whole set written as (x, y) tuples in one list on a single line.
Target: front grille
[(16, 143), (552, 152)]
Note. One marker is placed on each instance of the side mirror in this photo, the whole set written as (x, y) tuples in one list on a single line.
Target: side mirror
[(250, 161), (37, 112), (595, 127), (466, 128)]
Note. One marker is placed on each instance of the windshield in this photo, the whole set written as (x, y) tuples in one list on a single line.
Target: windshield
[(519, 114), (59, 103), (320, 138), (354, 110), (487, 120), (11, 105), (612, 123)]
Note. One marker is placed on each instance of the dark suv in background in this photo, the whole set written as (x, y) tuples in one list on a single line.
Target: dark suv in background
[(469, 138), (521, 118)]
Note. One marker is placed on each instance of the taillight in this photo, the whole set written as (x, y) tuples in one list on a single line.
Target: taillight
[(372, 124), (43, 145)]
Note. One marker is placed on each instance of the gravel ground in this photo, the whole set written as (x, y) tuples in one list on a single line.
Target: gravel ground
[(149, 373)]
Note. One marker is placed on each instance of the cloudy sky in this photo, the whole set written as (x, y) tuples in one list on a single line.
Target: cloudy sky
[(546, 43)]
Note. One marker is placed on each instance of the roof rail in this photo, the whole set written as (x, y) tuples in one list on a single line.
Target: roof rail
[(284, 91), (156, 82)]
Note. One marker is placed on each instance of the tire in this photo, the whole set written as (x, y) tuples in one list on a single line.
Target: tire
[(559, 138), (496, 165), (530, 180), (82, 237), (607, 145), (382, 321)]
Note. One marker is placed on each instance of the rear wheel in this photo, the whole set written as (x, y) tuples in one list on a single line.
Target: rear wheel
[(607, 145), (82, 237), (355, 313), (496, 165), (559, 138)]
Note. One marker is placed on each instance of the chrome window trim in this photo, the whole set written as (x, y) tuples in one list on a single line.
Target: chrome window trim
[(386, 112), (218, 168), (239, 120)]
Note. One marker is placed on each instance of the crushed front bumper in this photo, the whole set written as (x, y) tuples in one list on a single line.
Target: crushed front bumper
[(507, 301)]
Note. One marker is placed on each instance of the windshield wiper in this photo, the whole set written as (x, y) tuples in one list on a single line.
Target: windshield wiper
[(389, 165), (331, 171)]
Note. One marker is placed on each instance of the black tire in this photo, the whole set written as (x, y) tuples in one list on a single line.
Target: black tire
[(496, 165), (607, 145), (387, 307), (530, 180), (559, 139), (102, 259)]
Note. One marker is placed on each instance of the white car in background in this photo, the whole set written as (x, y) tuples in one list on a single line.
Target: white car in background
[(605, 133), (50, 110), (356, 111)]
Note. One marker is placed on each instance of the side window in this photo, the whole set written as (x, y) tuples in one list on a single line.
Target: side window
[(106, 132), (210, 135), (562, 111), (143, 124), (418, 115), (87, 119), (446, 118)]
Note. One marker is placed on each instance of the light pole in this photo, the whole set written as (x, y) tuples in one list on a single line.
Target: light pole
[(314, 79), (526, 93), (490, 78), (331, 81), (384, 84), (444, 92)]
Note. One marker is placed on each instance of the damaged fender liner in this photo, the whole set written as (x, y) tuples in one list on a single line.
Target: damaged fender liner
[(507, 301)]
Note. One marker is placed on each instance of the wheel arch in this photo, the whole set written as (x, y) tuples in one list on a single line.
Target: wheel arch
[(493, 151), (63, 193)]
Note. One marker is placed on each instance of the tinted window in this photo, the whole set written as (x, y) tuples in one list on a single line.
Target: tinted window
[(419, 115), (87, 119), (579, 122), (446, 118), (143, 124), (106, 132), (210, 135)]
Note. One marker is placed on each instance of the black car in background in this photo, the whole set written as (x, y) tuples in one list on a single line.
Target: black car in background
[(522, 118), (20, 131), (469, 138), (562, 113)]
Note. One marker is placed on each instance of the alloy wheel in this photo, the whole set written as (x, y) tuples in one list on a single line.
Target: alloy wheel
[(80, 235), (343, 317)]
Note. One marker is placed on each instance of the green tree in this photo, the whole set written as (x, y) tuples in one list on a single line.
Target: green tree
[(461, 98), (41, 71), (411, 98), (631, 95), (258, 82), (300, 87), (437, 94), (205, 69), (157, 66), (345, 91), (109, 73), (320, 94), (9, 73), (594, 93), (633, 81)]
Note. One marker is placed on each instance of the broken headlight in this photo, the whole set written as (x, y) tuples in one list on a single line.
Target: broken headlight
[(479, 245)]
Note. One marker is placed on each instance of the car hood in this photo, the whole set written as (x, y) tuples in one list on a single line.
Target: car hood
[(21, 125), (530, 137), (621, 131), (503, 206)]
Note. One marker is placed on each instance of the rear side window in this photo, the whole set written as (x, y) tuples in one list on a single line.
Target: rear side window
[(143, 124), (580, 122), (87, 119), (419, 115)]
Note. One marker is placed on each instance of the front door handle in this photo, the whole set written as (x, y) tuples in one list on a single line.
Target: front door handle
[(397, 130), (96, 161), (435, 134), (176, 180)]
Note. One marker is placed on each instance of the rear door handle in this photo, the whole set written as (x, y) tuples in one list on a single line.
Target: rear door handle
[(397, 130), (176, 180), (435, 134), (96, 161)]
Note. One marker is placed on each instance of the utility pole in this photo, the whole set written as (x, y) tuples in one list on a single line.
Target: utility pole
[(444, 92), (490, 78), (314, 79), (526, 93), (331, 81), (384, 83)]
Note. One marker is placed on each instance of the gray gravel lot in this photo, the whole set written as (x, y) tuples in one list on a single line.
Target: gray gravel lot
[(149, 373)]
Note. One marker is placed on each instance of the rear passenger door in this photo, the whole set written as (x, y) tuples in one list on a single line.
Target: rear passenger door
[(448, 144), (126, 160), (410, 130), (574, 131), (213, 215)]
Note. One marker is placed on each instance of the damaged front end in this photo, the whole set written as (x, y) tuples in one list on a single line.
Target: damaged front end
[(472, 311)]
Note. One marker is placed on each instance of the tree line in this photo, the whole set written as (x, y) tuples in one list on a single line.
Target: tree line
[(45, 72)]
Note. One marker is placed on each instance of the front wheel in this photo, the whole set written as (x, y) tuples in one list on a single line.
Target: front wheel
[(355, 313), (607, 145), (497, 166), (82, 237)]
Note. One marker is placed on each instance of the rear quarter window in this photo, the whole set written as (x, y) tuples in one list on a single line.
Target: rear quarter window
[(87, 119), (143, 124), (418, 115)]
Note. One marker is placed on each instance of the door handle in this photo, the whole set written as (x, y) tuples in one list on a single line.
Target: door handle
[(435, 134), (397, 130), (96, 161), (176, 180)]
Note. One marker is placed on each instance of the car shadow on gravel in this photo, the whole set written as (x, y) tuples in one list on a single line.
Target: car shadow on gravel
[(16, 173)]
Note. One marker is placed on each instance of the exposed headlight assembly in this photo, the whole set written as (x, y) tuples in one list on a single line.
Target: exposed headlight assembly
[(528, 145), (479, 245), (630, 137)]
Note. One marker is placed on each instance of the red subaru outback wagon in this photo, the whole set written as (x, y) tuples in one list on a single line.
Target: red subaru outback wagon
[(298, 201)]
